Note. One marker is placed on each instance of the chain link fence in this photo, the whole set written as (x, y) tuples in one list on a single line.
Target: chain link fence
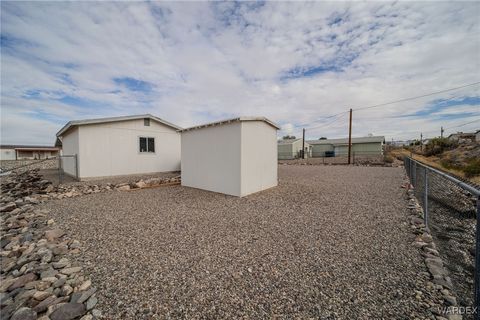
[(451, 213)]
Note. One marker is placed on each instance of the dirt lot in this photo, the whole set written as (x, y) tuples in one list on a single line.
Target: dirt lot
[(330, 242)]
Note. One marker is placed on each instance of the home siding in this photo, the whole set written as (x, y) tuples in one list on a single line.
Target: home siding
[(112, 149)]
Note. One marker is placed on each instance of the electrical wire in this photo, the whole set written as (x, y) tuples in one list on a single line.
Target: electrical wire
[(416, 97), (327, 124)]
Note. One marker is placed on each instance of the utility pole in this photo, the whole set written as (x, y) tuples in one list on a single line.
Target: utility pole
[(441, 132), (421, 142), (303, 144), (350, 138)]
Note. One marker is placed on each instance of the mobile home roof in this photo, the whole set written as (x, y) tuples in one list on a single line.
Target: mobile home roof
[(114, 119)]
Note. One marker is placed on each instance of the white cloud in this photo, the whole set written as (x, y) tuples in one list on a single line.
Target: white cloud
[(208, 61)]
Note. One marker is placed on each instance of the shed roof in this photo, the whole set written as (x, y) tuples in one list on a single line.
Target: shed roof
[(239, 119), (114, 119), (372, 139)]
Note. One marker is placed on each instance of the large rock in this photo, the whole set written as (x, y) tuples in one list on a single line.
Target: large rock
[(124, 188), (68, 311), (8, 207), (71, 270), (54, 234), (24, 314), (22, 280)]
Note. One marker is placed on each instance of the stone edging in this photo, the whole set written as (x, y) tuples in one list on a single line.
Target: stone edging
[(439, 278)]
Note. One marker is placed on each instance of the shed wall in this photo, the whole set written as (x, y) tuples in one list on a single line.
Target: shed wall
[(259, 157), (211, 158), (285, 151)]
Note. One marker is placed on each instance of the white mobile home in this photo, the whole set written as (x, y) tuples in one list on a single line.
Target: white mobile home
[(235, 157), (120, 146)]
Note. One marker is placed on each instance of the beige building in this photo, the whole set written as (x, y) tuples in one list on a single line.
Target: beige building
[(292, 149), (22, 152), (235, 157), (119, 146), (363, 146)]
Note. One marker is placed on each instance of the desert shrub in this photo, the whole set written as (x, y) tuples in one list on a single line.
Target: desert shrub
[(472, 169), (449, 163), (388, 159), (437, 146)]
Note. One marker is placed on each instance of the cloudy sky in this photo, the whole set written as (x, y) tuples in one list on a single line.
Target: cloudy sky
[(296, 63)]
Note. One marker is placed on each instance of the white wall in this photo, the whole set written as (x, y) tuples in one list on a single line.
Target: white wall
[(7, 154), (112, 149), (259, 157), (211, 158), (70, 147)]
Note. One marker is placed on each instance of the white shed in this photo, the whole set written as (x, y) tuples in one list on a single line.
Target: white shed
[(120, 146), (235, 157)]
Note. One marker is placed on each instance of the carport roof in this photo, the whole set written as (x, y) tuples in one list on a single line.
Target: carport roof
[(239, 119), (114, 119)]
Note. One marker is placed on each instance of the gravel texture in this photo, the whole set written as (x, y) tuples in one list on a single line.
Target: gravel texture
[(330, 242)]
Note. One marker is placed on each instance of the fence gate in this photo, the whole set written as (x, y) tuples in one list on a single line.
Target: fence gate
[(67, 166)]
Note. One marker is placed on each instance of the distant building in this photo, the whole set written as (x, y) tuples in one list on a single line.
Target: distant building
[(366, 146), (477, 136), (292, 149), (462, 136), (22, 152)]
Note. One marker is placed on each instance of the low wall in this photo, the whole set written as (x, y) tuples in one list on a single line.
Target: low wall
[(7, 165)]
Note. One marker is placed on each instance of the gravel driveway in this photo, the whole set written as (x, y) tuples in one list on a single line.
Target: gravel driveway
[(330, 242)]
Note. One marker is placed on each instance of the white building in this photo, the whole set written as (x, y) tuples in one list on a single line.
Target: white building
[(119, 146), (21, 152), (235, 157), (292, 149)]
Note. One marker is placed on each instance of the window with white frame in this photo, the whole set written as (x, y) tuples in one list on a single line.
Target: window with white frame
[(147, 144)]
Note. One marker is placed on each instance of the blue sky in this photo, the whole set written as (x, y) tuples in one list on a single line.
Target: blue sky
[(293, 62)]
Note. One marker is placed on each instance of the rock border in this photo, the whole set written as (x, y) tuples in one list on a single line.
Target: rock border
[(439, 279), (39, 276)]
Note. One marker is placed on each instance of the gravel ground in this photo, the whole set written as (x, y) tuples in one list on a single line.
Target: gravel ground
[(330, 242)]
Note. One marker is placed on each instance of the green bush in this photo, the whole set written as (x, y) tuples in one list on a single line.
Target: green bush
[(437, 146), (472, 169)]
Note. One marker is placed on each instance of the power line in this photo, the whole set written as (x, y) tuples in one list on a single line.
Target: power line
[(393, 102), (416, 97), (464, 124), (452, 127), (329, 123)]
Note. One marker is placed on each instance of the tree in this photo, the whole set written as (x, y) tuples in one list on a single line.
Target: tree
[(287, 137)]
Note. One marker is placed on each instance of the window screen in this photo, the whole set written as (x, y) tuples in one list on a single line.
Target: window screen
[(147, 144), (151, 144)]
